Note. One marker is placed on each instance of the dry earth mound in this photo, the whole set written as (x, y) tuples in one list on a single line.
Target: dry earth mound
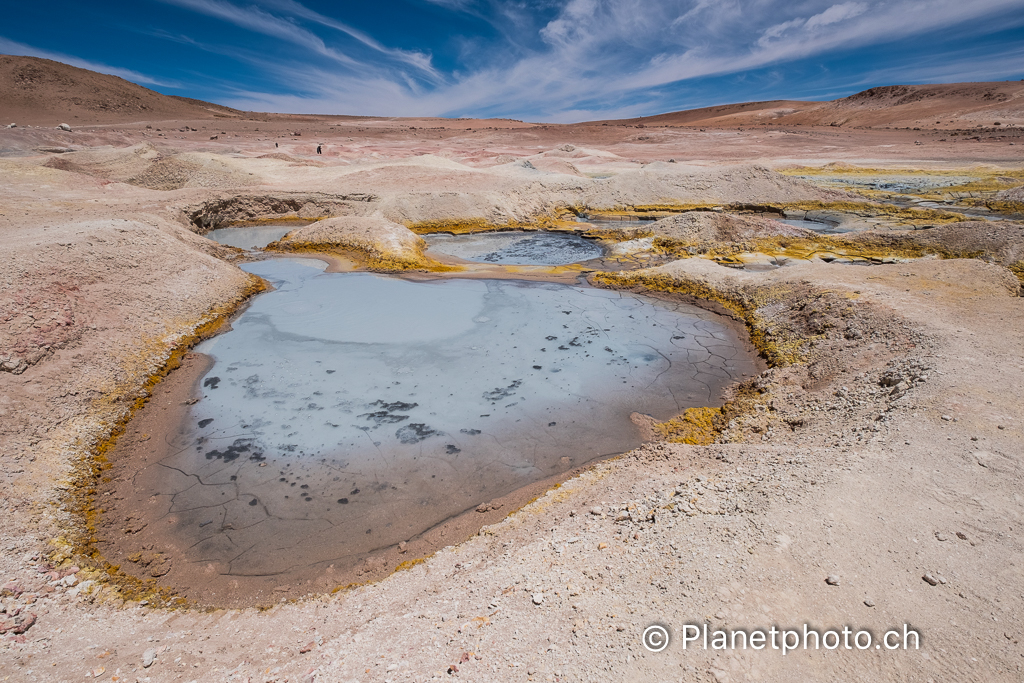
[(88, 297), (383, 245), (661, 184), (703, 230), (43, 92), (192, 170), (107, 163), (143, 165), (705, 226)]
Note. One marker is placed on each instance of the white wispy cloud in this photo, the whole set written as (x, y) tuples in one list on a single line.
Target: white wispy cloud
[(420, 60), (11, 47), (255, 19), (585, 57)]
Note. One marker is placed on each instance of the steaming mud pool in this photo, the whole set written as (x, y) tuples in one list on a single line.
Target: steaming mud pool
[(516, 248), (345, 413)]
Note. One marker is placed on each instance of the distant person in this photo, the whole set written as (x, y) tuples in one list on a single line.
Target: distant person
[(319, 149)]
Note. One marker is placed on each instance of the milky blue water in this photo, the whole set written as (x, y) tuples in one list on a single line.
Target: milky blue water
[(250, 238), (347, 412)]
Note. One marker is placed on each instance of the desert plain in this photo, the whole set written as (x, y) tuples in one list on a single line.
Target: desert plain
[(870, 476)]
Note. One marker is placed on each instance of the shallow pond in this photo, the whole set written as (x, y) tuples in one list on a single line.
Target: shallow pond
[(345, 413), (516, 248), (250, 238), (822, 227)]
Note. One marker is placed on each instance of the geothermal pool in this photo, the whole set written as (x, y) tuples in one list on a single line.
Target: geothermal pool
[(250, 238), (516, 248), (823, 227), (347, 412)]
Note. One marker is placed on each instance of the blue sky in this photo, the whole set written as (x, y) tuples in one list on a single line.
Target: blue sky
[(537, 60)]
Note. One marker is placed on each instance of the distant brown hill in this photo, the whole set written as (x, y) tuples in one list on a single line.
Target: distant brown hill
[(42, 92), (38, 91), (948, 105)]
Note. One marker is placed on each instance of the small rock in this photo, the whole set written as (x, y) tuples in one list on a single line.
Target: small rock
[(940, 536), (930, 580), (947, 418), (64, 127), (832, 580), (25, 624), (869, 602), (961, 535), (538, 598), (1001, 427), (148, 657), (307, 648), (402, 546), (12, 588), (595, 511), (602, 546)]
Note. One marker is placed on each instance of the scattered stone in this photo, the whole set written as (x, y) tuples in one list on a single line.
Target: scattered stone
[(11, 588), (538, 598), (947, 418), (961, 535), (595, 511), (832, 580), (941, 536), (869, 602), (487, 507), (148, 657), (402, 546), (64, 127), (930, 580), (602, 546), (308, 647)]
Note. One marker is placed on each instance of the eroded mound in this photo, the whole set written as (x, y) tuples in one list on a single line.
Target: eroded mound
[(383, 245), (710, 226), (191, 170), (107, 163)]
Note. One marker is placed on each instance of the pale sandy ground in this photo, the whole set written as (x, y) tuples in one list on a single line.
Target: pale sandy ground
[(832, 475)]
